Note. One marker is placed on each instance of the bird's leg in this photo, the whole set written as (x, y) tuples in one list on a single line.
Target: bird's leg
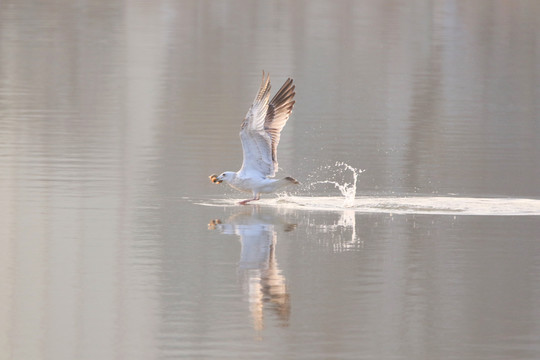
[(256, 196)]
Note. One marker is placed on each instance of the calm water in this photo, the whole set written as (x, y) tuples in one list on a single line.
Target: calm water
[(115, 245)]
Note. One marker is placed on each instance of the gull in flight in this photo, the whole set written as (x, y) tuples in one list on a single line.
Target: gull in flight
[(260, 133)]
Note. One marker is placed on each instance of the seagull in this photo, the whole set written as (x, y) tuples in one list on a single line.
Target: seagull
[(260, 133)]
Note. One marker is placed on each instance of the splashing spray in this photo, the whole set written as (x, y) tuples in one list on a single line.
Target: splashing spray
[(348, 190)]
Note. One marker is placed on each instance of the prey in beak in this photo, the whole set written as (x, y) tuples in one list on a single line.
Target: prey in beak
[(214, 179)]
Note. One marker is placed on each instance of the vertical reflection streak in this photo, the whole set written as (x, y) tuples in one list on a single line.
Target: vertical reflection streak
[(263, 283)]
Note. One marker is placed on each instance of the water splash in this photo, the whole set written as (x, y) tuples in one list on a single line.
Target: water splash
[(348, 190), (405, 204)]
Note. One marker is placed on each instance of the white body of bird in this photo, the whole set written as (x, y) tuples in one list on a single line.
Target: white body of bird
[(260, 133)]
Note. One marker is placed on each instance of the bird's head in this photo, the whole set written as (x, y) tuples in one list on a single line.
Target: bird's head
[(226, 176)]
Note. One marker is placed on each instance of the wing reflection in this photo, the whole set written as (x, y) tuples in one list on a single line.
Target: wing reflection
[(263, 283)]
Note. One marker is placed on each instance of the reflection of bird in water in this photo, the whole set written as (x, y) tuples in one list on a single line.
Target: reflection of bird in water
[(261, 278)]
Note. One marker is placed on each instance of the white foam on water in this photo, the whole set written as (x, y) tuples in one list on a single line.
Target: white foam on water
[(417, 205), (439, 205)]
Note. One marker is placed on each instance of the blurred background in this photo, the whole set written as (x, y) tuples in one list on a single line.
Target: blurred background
[(113, 114)]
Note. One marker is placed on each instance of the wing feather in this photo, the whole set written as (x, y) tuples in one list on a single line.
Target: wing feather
[(278, 113), (261, 128)]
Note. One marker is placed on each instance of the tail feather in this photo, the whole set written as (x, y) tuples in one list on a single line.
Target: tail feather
[(291, 180)]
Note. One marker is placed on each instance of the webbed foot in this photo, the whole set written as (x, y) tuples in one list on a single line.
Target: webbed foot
[(244, 202)]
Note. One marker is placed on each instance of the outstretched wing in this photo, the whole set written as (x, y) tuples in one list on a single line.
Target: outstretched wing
[(278, 113), (262, 126)]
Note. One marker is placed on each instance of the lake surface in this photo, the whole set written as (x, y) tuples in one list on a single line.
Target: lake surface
[(416, 136)]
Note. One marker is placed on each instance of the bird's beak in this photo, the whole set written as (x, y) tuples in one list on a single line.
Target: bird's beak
[(215, 179)]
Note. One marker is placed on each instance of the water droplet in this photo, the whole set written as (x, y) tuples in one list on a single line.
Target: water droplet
[(348, 190)]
